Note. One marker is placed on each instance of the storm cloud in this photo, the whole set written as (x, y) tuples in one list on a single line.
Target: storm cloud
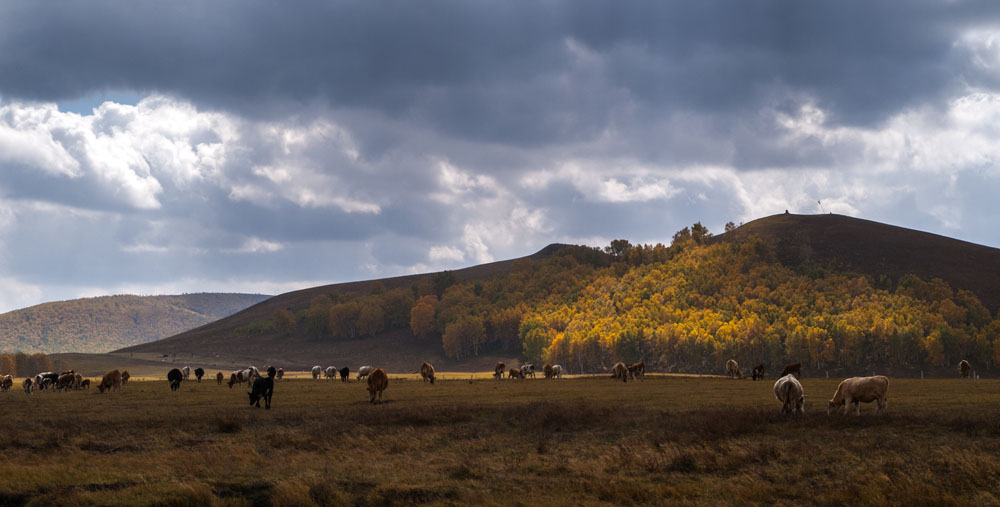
[(261, 146)]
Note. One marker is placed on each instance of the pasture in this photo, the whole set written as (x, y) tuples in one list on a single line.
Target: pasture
[(587, 440)]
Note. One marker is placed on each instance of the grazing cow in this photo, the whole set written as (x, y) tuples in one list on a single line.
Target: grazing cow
[(528, 370), (280, 374), (46, 383), (364, 371), (377, 382), (6, 382), (498, 371), (516, 373), (620, 372), (175, 377), (263, 387), (125, 377), (186, 371), (790, 368), (547, 370), (65, 382), (29, 385), (330, 372), (85, 384), (112, 381), (41, 378), (637, 370), (345, 374), (788, 391), (964, 368), (317, 371), (427, 372), (557, 371), (219, 377), (733, 369), (758, 372), (199, 373), (240, 376), (77, 381), (860, 389)]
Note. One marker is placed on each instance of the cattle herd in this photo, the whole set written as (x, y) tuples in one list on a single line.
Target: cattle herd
[(787, 389)]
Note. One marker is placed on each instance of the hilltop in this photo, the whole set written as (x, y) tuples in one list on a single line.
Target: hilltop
[(100, 324)]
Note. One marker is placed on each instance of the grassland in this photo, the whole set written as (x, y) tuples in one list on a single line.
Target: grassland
[(668, 440)]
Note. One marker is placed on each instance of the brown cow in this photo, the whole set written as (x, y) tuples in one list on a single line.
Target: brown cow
[(860, 389), (964, 368), (280, 374), (620, 372), (794, 368), (65, 381), (77, 381), (377, 382), (29, 385), (758, 372), (498, 371), (547, 369), (427, 372), (219, 377), (515, 373), (6, 382), (733, 369), (125, 377), (637, 370), (85, 384), (112, 381)]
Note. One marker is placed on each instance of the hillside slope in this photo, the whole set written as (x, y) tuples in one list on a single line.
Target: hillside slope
[(106, 323), (877, 249)]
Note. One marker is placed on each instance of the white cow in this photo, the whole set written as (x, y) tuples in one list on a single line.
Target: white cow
[(330, 372), (860, 389), (364, 371), (557, 371), (528, 370), (788, 391), (316, 371), (186, 371)]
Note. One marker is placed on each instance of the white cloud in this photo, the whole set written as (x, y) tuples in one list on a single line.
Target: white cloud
[(443, 253)]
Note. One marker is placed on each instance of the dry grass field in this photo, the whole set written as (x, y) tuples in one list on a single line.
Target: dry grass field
[(580, 441)]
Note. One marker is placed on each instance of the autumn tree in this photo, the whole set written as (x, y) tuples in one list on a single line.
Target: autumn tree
[(371, 320), (343, 319), (7, 365), (422, 317), (318, 316), (463, 337), (284, 321)]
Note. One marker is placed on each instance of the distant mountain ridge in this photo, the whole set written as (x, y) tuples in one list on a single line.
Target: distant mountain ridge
[(105, 323)]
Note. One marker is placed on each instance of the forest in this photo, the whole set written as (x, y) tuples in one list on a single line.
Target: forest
[(689, 306)]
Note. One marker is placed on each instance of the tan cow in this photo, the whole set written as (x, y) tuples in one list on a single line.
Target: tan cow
[(498, 371), (860, 389), (548, 371), (733, 369), (77, 381), (620, 372), (377, 382), (219, 377), (964, 368), (637, 370), (427, 372), (125, 377), (65, 381), (112, 381), (792, 369), (789, 392)]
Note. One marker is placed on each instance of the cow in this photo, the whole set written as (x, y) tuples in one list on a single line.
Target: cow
[(77, 381), (263, 387), (528, 370), (280, 373), (860, 389), (175, 377), (637, 370), (219, 377), (790, 368), (6, 382), (125, 377), (758, 372), (557, 371), (345, 374), (498, 371), (47, 383), (516, 373), (788, 391), (40, 379), (620, 372), (330, 372), (240, 376), (186, 372), (85, 383), (964, 368), (364, 371), (29, 385), (112, 381), (65, 381), (427, 372), (199, 373), (377, 382), (733, 369), (316, 371), (547, 371)]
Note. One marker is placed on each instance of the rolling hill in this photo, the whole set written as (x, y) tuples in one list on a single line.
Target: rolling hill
[(842, 246), (100, 324)]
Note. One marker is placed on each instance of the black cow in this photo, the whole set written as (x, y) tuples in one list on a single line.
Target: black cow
[(263, 387), (758, 372), (199, 373), (175, 377), (345, 372)]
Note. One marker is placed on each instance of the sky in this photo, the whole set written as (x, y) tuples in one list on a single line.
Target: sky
[(259, 146)]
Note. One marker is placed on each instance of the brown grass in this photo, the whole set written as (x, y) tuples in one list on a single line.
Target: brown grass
[(575, 441)]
